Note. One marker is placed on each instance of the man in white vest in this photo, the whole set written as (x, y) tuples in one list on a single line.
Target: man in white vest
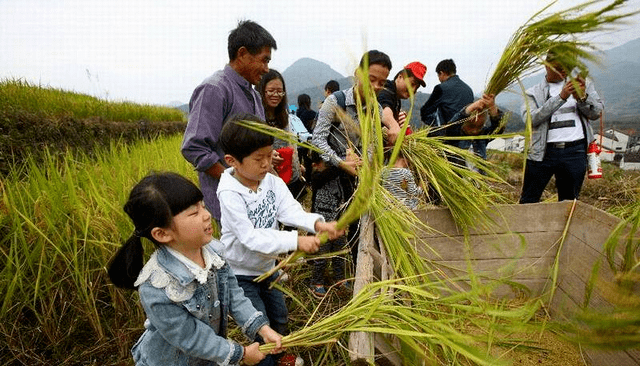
[(560, 114)]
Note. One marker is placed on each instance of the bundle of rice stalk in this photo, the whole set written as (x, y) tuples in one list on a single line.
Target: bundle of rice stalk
[(467, 193), (430, 326), (396, 226), (278, 133), (557, 32)]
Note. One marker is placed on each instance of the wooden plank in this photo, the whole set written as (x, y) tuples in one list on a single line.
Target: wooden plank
[(609, 358), (387, 354), (361, 343), (520, 268), (575, 271), (522, 218), (387, 271), (490, 246)]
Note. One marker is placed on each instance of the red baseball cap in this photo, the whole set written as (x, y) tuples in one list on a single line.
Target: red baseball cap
[(418, 70)]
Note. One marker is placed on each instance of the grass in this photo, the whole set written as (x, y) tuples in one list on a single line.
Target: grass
[(61, 225), (59, 228), (47, 102)]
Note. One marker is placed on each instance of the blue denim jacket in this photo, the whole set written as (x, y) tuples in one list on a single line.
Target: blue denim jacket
[(187, 321)]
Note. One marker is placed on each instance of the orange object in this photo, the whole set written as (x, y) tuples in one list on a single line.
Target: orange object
[(593, 161)]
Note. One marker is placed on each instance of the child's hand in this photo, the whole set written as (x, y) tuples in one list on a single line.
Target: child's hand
[(271, 336), (330, 228), (308, 244), (252, 354)]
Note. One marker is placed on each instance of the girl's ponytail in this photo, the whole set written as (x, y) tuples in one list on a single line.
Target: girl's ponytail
[(126, 265)]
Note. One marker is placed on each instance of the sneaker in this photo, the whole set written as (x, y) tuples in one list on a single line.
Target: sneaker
[(283, 276), (290, 360), (318, 291), (345, 285)]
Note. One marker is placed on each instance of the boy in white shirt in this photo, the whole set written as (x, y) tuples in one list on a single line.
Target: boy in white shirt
[(253, 203)]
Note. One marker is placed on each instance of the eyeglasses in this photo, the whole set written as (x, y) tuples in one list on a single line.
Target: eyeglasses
[(273, 93)]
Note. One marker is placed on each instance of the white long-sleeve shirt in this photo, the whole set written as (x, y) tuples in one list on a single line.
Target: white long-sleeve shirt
[(250, 221)]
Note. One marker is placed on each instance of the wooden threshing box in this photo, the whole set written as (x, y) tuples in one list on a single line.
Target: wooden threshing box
[(522, 244)]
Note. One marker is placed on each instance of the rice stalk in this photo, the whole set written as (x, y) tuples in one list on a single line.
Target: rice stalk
[(467, 193), (278, 133), (557, 32), (556, 261), (427, 325)]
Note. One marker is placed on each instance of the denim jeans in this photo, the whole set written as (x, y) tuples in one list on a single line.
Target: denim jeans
[(569, 166), (269, 301)]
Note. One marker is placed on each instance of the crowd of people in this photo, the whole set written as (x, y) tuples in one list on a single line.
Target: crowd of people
[(249, 182)]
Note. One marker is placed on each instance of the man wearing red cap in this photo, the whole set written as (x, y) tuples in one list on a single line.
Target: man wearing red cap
[(412, 76)]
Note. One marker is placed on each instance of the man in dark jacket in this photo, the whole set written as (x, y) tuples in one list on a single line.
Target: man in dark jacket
[(447, 98)]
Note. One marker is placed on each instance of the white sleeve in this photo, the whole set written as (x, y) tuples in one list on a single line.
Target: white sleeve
[(290, 211)]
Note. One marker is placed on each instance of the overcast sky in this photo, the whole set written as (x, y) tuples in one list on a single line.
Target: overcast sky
[(158, 51)]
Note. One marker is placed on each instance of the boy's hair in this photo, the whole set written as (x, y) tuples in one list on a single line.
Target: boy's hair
[(375, 57), (447, 66), (250, 35), (304, 101), (239, 141), (332, 86), (153, 202), (282, 109)]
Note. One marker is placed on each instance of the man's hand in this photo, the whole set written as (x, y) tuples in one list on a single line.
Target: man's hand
[(392, 134), (567, 90), (402, 117), (490, 103), (276, 159), (351, 163), (579, 93)]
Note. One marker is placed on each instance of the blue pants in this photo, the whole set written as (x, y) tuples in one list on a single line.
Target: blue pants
[(271, 303), (569, 166)]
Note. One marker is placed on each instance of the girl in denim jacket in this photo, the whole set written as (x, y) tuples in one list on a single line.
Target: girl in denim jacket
[(186, 288)]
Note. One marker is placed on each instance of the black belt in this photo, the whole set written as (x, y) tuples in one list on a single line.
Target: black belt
[(565, 144)]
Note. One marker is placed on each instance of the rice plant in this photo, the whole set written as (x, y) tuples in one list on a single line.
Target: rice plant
[(20, 95), (60, 226)]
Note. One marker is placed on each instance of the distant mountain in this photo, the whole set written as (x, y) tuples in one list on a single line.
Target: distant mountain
[(174, 104), (308, 73), (183, 107)]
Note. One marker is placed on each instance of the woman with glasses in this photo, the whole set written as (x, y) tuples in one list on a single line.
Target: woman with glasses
[(274, 99)]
